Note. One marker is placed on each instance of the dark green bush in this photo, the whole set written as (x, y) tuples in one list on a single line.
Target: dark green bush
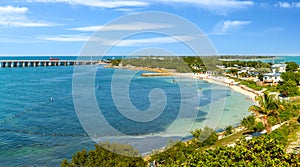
[(228, 130), (258, 127), (248, 122)]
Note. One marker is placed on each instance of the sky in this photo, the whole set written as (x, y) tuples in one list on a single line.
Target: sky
[(66, 27)]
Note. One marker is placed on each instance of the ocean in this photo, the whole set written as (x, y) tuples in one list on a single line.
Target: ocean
[(40, 124)]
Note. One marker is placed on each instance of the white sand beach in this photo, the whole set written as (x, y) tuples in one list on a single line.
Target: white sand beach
[(223, 81)]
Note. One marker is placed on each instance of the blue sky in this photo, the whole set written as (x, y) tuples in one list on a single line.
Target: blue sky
[(63, 27)]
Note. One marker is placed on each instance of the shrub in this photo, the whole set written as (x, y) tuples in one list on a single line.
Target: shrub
[(272, 120), (204, 137), (228, 130), (284, 116), (101, 156), (248, 122), (258, 127)]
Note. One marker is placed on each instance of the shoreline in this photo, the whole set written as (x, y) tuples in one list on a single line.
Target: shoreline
[(223, 81), (220, 80)]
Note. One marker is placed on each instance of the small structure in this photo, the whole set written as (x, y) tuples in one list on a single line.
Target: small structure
[(272, 78), (281, 67)]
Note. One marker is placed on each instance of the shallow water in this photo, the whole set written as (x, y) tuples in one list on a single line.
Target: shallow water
[(36, 130)]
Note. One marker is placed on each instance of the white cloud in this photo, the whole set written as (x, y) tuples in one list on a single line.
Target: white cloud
[(121, 43), (151, 41), (65, 38), (215, 3), (284, 4), (12, 10), (16, 17), (98, 3), (287, 4), (220, 6), (226, 26), (134, 26)]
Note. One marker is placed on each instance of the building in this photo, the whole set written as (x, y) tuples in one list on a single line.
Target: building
[(281, 67), (273, 77)]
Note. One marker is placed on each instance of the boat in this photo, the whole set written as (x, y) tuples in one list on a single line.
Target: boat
[(53, 59)]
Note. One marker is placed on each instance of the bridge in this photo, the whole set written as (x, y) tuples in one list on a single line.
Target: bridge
[(45, 63)]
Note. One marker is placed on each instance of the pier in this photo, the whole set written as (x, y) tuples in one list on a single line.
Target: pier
[(45, 63)]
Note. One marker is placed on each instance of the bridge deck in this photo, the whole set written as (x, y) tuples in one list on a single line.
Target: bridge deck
[(36, 63)]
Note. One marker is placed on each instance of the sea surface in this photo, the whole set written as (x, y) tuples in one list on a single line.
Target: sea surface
[(39, 125)]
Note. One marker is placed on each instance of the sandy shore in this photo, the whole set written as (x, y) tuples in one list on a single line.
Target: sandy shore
[(252, 94), (238, 88), (224, 82)]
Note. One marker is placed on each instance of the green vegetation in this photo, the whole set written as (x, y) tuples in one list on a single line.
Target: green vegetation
[(116, 62), (228, 130), (204, 149), (290, 85), (255, 64), (204, 137), (292, 66), (251, 85), (106, 154), (266, 150), (259, 126), (267, 106), (180, 64), (248, 122)]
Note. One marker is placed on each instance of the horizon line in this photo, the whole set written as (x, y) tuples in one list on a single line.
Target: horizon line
[(76, 55)]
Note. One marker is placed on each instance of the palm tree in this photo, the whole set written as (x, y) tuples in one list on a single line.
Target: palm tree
[(267, 106)]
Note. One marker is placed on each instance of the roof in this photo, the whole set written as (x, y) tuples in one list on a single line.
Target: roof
[(279, 65), (276, 74)]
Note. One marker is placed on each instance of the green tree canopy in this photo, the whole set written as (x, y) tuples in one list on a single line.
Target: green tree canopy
[(292, 66), (267, 106), (106, 154)]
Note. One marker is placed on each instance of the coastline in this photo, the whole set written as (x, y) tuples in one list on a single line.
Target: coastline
[(223, 81), (220, 80)]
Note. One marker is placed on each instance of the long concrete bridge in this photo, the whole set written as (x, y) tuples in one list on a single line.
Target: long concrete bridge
[(37, 63)]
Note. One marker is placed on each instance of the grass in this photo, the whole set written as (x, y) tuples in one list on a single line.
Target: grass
[(293, 136), (230, 139)]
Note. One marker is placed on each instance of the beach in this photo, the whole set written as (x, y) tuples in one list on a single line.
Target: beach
[(222, 81)]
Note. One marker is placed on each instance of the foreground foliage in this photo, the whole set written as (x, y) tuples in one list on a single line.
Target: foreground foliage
[(119, 155), (266, 150), (269, 107)]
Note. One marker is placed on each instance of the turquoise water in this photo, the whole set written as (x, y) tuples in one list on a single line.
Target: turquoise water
[(283, 59), (38, 131)]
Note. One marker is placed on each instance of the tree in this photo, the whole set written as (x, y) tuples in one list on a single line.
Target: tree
[(289, 88), (260, 77), (205, 136), (291, 76), (267, 106), (264, 150), (106, 154), (116, 62), (248, 122), (228, 130), (292, 66), (258, 127)]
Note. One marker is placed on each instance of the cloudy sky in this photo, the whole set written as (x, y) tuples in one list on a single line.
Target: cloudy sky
[(63, 27)]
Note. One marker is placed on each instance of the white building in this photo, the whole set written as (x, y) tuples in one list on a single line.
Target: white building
[(281, 67), (273, 77)]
